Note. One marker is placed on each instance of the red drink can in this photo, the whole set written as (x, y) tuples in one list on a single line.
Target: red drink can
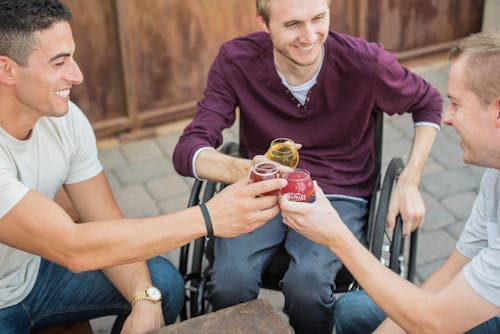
[(300, 186)]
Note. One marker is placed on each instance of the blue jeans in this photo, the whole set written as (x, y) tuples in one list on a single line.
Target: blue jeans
[(308, 284), (355, 312), (60, 296)]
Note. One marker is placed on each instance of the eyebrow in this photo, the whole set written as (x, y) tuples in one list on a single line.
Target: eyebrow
[(59, 55)]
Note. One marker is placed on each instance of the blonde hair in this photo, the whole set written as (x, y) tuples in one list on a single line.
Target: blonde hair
[(263, 9), (482, 59)]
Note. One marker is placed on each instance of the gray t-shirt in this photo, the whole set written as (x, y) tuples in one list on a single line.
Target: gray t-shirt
[(480, 240), (61, 150)]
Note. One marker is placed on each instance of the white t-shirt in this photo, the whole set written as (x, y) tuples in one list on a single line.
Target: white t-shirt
[(61, 150), (480, 240)]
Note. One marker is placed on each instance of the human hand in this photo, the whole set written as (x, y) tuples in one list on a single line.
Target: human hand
[(239, 209), (407, 201), (317, 221), (144, 318)]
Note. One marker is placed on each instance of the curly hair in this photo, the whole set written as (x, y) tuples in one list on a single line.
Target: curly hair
[(20, 19)]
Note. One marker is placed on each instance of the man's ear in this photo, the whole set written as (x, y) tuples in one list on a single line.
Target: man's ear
[(262, 23), (7, 76)]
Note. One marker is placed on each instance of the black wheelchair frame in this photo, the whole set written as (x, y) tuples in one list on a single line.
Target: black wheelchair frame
[(395, 252)]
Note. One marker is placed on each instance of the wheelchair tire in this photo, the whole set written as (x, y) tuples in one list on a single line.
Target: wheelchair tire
[(377, 239)]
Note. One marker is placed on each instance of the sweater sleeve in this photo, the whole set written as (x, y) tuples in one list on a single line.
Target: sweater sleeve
[(398, 90), (215, 112)]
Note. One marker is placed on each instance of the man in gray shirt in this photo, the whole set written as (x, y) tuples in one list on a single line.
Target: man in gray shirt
[(464, 293)]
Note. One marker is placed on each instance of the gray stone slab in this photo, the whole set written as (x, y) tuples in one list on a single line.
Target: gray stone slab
[(447, 152), (450, 182), (135, 202), (141, 150), (174, 204), (404, 124), (167, 143), (424, 271), (434, 246), (167, 187), (143, 171), (112, 180), (390, 131), (112, 158), (436, 215), (460, 205), (455, 230)]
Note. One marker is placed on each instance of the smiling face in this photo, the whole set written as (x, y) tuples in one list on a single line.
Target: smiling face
[(298, 30), (477, 124), (42, 87)]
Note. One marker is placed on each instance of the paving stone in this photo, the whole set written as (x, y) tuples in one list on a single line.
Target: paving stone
[(138, 172), (390, 132), (404, 124), (111, 158), (141, 150), (135, 202), (112, 180), (424, 271), (447, 152), (449, 182), (174, 204), (460, 205), (436, 215), (434, 246), (455, 230), (167, 187), (167, 143)]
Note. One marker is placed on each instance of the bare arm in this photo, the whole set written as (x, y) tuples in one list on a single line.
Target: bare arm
[(94, 201), (38, 225), (436, 282), (216, 166), (406, 198), (455, 308)]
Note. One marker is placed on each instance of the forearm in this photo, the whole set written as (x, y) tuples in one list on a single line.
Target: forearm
[(422, 144), (216, 166), (437, 281), (103, 244), (399, 299)]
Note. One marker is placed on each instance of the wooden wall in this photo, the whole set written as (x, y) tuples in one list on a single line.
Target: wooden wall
[(145, 62)]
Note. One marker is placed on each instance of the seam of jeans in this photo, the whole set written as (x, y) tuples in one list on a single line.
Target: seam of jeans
[(75, 310)]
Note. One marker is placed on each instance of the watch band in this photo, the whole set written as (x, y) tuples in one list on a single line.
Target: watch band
[(143, 295)]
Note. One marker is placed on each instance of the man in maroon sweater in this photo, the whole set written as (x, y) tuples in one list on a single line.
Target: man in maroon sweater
[(322, 89)]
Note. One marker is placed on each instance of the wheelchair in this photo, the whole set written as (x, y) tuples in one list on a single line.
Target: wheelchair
[(394, 251)]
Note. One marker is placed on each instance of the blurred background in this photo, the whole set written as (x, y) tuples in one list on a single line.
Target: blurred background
[(146, 62)]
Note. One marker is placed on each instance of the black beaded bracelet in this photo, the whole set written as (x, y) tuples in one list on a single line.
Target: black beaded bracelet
[(208, 221)]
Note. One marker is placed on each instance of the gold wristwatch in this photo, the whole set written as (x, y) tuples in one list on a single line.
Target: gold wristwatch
[(152, 294)]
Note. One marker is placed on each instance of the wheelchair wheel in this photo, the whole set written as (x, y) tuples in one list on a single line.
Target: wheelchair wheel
[(396, 252)]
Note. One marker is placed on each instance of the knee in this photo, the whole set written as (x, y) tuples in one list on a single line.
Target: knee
[(355, 312), (230, 288), (171, 284), (318, 288)]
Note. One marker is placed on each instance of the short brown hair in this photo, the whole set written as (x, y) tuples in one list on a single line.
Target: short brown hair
[(263, 9), (482, 52)]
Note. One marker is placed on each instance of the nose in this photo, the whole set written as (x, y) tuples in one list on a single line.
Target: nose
[(74, 74), (308, 34), (448, 116)]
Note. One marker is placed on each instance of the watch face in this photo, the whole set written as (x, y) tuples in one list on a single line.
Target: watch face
[(154, 293)]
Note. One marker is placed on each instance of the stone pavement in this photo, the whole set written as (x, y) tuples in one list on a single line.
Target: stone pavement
[(145, 183)]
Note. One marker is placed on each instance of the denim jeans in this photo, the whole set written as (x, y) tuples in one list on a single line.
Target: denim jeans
[(355, 312), (60, 296), (308, 284)]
